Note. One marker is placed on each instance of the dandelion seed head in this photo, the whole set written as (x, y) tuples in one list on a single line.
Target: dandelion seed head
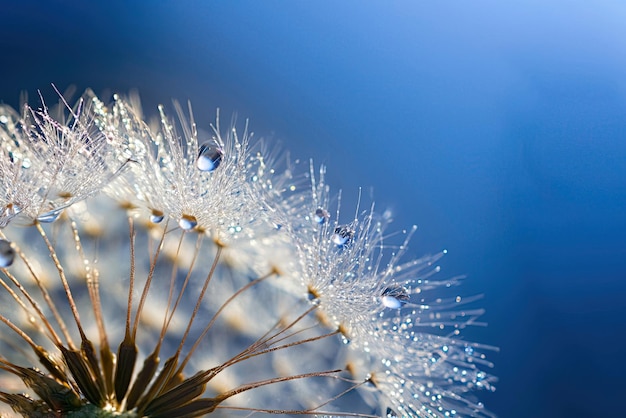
[(212, 277)]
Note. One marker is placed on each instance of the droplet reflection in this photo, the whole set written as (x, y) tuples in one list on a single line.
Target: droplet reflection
[(394, 297), (187, 222), (156, 216), (7, 253), (321, 215), (342, 235), (209, 156), (49, 217)]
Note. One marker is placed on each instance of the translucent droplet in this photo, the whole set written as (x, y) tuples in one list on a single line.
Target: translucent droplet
[(49, 217), (311, 296), (434, 358), (234, 229), (187, 222), (26, 163), (7, 253), (209, 156), (342, 235), (469, 350), (321, 215), (394, 297), (157, 216)]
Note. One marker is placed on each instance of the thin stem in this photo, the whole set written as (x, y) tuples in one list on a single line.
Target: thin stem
[(45, 294), (61, 271), (146, 288), (219, 311)]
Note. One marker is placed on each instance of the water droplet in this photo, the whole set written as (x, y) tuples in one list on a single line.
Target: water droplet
[(50, 217), (321, 215), (26, 163), (4, 119), (342, 235), (469, 350), (234, 229), (209, 156), (157, 216), (394, 297), (434, 358), (7, 253), (187, 222)]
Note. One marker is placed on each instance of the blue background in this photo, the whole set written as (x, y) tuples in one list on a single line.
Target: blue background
[(499, 127)]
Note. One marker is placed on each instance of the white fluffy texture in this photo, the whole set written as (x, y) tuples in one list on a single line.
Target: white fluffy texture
[(50, 163)]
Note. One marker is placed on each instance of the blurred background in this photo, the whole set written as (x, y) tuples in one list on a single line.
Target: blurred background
[(499, 128)]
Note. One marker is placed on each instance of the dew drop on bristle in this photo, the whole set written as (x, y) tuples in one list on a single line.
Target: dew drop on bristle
[(7, 253), (394, 297), (49, 217), (342, 235), (157, 216), (187, 222), (321, 215), (209, 157)]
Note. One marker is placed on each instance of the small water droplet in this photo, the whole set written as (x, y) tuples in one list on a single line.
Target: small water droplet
[(321, 215), (394, 297), (209, 156), (234, 229), (157, 216), (342, 235), (469, 350), (187, 222), (434, 358), (7, 253), (50, 217), (26, 163)]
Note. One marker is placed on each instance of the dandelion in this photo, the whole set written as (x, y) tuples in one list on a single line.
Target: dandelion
[(152, 269)]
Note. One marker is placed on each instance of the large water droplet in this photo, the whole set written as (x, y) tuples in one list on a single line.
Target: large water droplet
[(50, 216), (187, 222), (156, 216), (342, 235), (7, 253), (321, 215), (209, 156), (394, 297)]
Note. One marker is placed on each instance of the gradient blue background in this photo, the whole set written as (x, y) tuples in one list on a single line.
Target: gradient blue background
[(499, 127)]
